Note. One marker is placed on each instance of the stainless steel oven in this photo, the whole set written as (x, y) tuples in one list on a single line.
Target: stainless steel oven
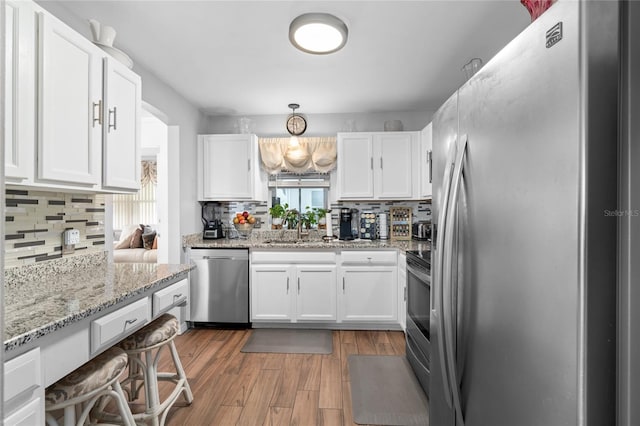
[(418, 312)]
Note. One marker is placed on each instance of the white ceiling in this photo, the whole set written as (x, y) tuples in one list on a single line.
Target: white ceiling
[(234, 57)]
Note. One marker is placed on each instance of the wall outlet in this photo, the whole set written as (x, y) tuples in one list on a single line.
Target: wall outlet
[(71, 237)]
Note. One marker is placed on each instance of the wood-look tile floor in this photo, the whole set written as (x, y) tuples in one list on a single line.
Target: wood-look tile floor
[(235, 388)]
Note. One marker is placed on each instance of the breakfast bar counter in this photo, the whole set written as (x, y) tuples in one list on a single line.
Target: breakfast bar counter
[(41, 299)]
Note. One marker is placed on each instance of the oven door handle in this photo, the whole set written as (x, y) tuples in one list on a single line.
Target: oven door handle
[(419, 273), (410, 346)]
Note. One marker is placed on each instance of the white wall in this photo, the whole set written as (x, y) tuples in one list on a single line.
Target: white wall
[(322, 124)]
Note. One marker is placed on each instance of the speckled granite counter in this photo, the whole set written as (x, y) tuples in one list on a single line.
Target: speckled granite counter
[(285, 240), (40, 299)]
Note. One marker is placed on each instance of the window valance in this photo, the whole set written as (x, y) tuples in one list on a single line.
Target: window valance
[(310, 154)]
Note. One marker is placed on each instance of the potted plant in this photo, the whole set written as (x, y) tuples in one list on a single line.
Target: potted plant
[(309, 217), (291, 218), (278, 212), (321, 215)]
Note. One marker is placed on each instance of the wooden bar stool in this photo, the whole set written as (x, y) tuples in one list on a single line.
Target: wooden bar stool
[(143, 370), (78, 392)]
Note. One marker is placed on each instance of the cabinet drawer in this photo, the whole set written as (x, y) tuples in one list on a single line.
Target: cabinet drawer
[(22, 374), (369, 256), (293, 256), (175, 294), (28, 415), (119, 324)]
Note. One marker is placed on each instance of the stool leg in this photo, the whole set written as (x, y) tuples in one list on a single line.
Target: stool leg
[(125, 412), (70, 415), (188, 396), (151, 386)]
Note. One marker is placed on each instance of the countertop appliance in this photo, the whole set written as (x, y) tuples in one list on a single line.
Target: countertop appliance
[(346, 227), (418, 346), (523, 325), (220, 287), (212, 223), (421, 230)]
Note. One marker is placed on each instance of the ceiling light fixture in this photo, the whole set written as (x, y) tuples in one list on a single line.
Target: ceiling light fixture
[(318, 33)]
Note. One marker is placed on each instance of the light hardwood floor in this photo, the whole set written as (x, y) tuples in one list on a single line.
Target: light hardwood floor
[(235, 388)]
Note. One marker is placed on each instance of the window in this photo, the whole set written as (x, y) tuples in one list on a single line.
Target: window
[(299, 191), (129, 209)]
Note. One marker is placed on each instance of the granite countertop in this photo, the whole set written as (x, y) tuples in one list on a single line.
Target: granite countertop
[(40, 299), (285, 240)]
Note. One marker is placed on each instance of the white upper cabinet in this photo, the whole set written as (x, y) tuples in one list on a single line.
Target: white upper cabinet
[(228, 168), (19, 91), (69, 96), (121, 118), (70, 124), (355, 166), (425, 162), (376, 166)]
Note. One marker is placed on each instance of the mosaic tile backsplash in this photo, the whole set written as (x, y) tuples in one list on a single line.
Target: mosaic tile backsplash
[(35, 221)]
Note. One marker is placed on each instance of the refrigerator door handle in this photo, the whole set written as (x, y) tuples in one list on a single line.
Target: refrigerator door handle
[(450, 305), (438, 282)]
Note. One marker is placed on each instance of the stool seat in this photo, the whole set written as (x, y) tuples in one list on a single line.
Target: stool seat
[(164, 327), (78, 392), (89, 377)]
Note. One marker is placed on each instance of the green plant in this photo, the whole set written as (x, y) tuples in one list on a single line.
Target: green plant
[(309, 217), (278, 210), (291, 218), (320, 212)]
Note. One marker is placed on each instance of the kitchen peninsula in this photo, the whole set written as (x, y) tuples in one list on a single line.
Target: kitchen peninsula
[(60, 314)]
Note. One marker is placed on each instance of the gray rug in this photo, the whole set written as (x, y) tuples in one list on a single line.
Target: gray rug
[(384, 391), (289, 341)]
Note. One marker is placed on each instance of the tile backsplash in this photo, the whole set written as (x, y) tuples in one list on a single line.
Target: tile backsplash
[(35, 221)]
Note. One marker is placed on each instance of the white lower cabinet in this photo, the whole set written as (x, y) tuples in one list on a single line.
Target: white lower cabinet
[(360, 287), (304, 289), (293, 292), (369, 287), (23, 390)]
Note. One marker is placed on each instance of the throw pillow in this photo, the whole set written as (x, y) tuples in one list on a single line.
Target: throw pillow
[(148, 240), (125, 243), (136, 239)]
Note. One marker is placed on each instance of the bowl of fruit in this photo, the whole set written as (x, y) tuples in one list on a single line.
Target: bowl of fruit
[(243, 222)]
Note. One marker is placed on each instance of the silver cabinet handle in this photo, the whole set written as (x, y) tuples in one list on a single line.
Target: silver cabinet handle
[(371, 163), (130, 321), (177, 296), (342, 285), (298, 285), (113, 126), (249, 164), (430, 161), (97, 118), (380, 162), (287, 285)]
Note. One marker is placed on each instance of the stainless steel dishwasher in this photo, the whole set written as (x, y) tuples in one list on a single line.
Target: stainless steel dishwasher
[(220, 287)]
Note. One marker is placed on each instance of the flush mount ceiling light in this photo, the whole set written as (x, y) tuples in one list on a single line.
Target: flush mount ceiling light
[(318, 33)]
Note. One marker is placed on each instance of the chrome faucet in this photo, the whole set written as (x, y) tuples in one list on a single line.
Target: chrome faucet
[(300, 232)]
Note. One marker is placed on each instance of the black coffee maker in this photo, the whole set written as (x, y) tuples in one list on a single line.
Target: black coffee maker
[(212, 223), (346, 215)]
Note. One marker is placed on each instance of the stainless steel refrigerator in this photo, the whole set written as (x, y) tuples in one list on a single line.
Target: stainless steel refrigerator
[(523, 319)]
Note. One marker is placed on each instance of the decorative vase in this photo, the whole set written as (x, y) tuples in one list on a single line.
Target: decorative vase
[(536, 7)]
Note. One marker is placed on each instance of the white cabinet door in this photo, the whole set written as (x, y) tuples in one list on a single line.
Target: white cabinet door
[(19, 91), (29, 414), (355, 166), (70, 91), (425, 162), (121, 118), (271, 288), (228, 167), (369, 294), (392, 164), (316, 292)]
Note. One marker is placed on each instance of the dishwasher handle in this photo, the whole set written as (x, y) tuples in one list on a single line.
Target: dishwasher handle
[(218, 258)]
